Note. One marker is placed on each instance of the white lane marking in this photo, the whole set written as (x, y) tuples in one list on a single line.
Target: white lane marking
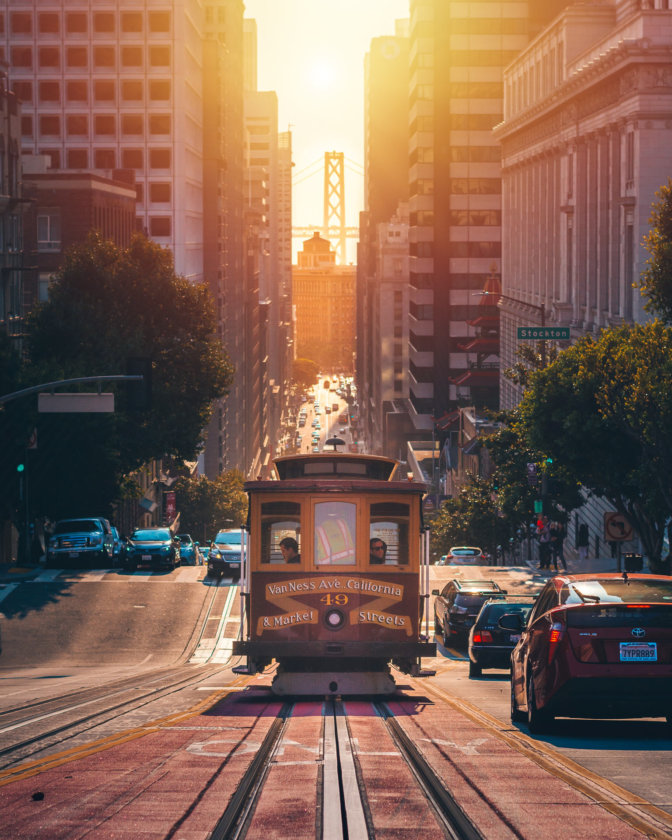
[(47, 575), (467, 749)]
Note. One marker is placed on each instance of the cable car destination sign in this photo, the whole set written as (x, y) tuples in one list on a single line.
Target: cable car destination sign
[(543, 333)]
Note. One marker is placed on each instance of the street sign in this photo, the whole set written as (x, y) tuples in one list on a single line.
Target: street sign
[(75, 403), (543, 333), (538, 506), (617, 528)]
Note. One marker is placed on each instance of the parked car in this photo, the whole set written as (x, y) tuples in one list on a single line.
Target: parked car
[(85, 542), (464, 555), (155, 547), (117, 545), (189, 553), (595, 645), (490, 645), (225, 553), (458, 604)]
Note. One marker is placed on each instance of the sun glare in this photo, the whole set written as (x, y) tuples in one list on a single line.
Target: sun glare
[(322, 75)]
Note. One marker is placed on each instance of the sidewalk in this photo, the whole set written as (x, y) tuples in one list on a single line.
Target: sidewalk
[(577, 566), (15, 574)]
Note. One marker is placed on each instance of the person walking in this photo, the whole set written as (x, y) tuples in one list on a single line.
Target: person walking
[(544, 536), (583, 541), (558, 534)]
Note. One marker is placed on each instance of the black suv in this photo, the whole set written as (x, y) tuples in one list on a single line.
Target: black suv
[(489, 645), (458, 604)]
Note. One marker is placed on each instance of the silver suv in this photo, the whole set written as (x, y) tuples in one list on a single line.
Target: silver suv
[(81, 542)]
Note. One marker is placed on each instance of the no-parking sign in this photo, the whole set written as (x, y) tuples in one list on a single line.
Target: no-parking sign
[(617, 528)]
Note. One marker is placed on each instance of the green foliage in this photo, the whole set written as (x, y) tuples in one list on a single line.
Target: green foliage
[(604, 410), (471, 518), (107, 305), (305, 372), (208, 506), (656, 280)]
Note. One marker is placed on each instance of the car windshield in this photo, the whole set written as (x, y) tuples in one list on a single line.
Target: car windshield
[(151, 534), (184, 538), (617, 590), (479, 585), (465, 552), (228, 538), (493, 612), (68, 525)]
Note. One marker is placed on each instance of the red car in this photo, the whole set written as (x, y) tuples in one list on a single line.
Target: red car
[(594, 646)]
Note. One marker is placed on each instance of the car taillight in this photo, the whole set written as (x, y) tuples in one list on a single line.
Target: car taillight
[(482, 637), (556, 636)]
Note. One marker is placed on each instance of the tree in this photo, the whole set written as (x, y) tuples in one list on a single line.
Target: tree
[(656, 280), (305, 372), (471, 518), (604, 410), (208, 506), (106, 305)]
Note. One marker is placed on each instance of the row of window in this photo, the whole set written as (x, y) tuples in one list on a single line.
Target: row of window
[(103, 90), (78, 23), (77, 58), (459, 218), (49, 227), (77, 125), (107, 158)]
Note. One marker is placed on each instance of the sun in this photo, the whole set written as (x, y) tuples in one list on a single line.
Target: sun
[(321, 74)]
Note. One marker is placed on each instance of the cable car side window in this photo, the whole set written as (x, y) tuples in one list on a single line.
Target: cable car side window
[(335, 533), (279, 521), (389, 525)]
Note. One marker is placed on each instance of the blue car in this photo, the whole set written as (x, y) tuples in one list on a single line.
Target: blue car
[(155, 547), (189, 553)]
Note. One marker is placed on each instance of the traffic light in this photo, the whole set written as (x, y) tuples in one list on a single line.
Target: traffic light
[(20, 468), (139, 392)]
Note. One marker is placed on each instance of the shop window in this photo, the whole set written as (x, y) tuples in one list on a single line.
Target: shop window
[(132, 124), (279, 521), (131, 56), (77, 125), (49, 23), (49, 91), (389, 526), (50, 125), (159, 56), (132, 158), (159, 124), (77, 57), (335, 533), (159, 90), (104, 159), (105, 124), (78, 159), (131, 91), (159, 226), (159, 158), (76, 23), (159, 193), (77, 91)]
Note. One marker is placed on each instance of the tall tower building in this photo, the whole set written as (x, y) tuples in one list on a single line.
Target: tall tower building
[(110, 86)]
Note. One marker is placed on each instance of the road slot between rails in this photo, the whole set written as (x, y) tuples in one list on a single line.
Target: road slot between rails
[(217, 646)]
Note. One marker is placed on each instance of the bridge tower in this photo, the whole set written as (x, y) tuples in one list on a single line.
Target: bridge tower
[(334, 202)]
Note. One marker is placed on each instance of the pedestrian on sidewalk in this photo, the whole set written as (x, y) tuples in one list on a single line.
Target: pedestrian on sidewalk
[(544, 537), (558, 534), (583, 541)]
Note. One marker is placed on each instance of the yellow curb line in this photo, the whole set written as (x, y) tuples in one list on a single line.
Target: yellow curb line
[(40, 765), (590, 784)]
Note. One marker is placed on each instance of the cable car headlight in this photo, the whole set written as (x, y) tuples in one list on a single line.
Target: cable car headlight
[(334, 619)]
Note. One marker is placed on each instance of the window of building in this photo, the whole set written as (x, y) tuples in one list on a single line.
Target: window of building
[(49, 23), (398, 386), (159, 192), (159, 124), (132, 124), (398, 332), (22, 56), (159, 90), (22, 23), (159, 226), (131, 21), (104, 159), (159, 21), (476, 186), (26, 126), (78, 159), (132, 158), (24, 90), (103, 56), (75, 23), (49, 229), (131, 56), (50, 125), (49, 91), (104, 90), (77, 56), (629, 158), (105, 124), (139, 193), (77, 91), (159, 158), (159, 56), (49, 57), (131, 90), (77, 124), (103, 22), (43, 283)]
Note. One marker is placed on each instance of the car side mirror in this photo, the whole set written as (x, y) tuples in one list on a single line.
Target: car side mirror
[(512, 622), (435, 591)]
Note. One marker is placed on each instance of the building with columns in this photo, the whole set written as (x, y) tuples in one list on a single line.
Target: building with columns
[(586, 142)]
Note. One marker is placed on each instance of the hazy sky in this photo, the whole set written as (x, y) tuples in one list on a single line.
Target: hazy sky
[(311, 52)]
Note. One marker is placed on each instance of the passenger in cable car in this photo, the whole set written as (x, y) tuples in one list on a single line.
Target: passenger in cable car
[(290, 550)]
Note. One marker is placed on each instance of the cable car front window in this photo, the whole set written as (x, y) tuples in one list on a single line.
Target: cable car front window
[(335, 533), (388, 525)]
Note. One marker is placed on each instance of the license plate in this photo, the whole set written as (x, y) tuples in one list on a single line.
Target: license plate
[(73, 554), (514, 637), (639, 652), (146, 558)]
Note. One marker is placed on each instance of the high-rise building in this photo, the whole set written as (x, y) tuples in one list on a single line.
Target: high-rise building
[(118, 86)]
